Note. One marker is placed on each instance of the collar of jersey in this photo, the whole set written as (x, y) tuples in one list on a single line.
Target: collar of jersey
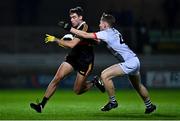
[(81, 24)]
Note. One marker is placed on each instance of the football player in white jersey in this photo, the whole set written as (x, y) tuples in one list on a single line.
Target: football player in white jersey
[(130, 66)]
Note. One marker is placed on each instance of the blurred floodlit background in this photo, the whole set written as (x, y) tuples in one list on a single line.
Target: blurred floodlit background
[(151, 27)]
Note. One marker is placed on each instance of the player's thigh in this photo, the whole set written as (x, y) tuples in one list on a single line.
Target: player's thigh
[(83, 71), (112, 71), (80, 81), (63, 70)]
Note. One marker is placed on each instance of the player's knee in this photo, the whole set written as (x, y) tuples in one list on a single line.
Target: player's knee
[(103, 76)]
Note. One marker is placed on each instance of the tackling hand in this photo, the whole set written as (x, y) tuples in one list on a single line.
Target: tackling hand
[(49, 38)]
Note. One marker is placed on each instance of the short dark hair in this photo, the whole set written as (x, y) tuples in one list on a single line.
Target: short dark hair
[(78, 10), (109, 19)]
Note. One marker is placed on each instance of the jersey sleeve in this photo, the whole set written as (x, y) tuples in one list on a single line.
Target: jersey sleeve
[(102, 35)]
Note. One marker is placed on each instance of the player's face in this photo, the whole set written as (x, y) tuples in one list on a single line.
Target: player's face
[(102, 25), (75, 19)]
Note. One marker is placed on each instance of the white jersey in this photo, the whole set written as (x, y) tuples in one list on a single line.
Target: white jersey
[(115, 42)]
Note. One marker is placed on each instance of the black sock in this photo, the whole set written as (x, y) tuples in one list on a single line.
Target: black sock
[(44, 101)]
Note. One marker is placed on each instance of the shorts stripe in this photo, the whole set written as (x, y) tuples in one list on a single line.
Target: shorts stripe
[(89, 69)]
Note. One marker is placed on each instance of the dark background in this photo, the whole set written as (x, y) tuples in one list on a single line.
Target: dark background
[(150, 27)]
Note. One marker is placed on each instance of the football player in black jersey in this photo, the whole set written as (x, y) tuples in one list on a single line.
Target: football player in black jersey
[(80, 59)]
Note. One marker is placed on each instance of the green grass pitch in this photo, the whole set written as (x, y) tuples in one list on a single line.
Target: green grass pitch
[(66, 105)]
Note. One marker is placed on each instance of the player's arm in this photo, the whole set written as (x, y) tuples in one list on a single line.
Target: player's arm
[(80, 33), (61, 42), (70, 43), (84, 34)]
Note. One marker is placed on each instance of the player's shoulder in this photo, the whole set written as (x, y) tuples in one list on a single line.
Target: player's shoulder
[(84, 27)]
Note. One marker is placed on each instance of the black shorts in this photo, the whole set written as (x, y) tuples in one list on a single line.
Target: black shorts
[(82, 59)]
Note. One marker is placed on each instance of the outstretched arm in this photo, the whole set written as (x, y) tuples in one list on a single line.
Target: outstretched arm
[(85, 34), (61, 42)]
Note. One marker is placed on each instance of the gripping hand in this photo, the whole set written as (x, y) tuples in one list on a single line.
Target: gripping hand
[(64, 25), (49, 38)]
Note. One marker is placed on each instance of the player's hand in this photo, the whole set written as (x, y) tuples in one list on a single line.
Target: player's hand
[(64, 25), (49, 38)]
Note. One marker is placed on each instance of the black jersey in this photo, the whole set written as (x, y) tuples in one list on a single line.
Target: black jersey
[(81, 57)]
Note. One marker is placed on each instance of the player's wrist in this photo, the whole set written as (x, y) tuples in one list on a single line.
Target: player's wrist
[(55, 39)]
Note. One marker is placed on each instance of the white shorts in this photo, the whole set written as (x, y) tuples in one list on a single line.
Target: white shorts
[(131, 66)]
